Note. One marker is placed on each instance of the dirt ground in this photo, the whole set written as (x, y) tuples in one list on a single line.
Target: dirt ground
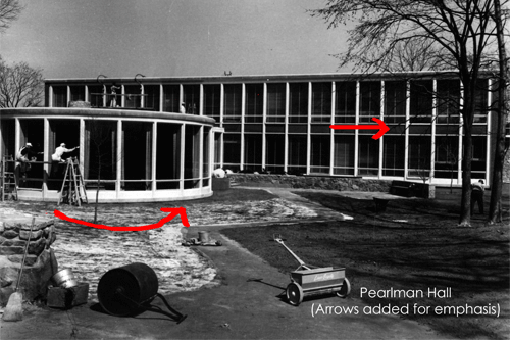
[(246, 300)]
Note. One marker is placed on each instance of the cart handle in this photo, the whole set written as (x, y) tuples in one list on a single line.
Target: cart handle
[(279, 239)]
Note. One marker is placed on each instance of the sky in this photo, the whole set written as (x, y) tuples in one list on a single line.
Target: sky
[(172, 38)]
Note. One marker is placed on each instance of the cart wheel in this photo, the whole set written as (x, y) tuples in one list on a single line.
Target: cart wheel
[(294, 294), (346, 289)]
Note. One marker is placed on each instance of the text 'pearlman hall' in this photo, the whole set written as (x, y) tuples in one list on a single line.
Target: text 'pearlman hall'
[(156, 139)]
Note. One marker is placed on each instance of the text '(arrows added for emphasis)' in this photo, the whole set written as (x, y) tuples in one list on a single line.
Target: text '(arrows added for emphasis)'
[(381, 126)]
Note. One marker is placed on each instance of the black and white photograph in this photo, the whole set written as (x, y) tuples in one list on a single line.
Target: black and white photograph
[(254, 169)]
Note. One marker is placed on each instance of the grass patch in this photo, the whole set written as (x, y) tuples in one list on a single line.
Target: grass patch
[(414, 245)]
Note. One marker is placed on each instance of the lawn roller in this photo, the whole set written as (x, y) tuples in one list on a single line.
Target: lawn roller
[(311, 281)]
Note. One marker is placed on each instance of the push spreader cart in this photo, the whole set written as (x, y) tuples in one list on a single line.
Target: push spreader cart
[(311, 281)]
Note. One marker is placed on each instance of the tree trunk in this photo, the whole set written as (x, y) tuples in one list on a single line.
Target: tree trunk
[(467, 144), (465, 205), (495, 209)]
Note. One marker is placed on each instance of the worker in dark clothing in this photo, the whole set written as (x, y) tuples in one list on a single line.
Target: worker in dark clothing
[(477, 196), (25, 154)]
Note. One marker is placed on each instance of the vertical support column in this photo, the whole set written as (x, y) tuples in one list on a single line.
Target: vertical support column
[(87, 93), (181, 94), (122, 98), (489, 132), (264, 114), (222, 96), (309, 129), (461, 130), (82, 147), (161, 96), (105, 98), (356, 134), (120, 162), (50, 94), (183, 148), (68, 95), (287, 114), (201, 101), (46, 156), (331, 131), (406, 138), (201, 157), (142, 92), (381, 144), (211, 156), (243, 102), (154, 159), (433, 130)]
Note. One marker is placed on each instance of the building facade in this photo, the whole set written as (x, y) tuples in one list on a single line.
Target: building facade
[(281, 124)]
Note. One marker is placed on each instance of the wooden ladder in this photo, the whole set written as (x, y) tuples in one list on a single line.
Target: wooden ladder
[(73, 187), (8, 178)]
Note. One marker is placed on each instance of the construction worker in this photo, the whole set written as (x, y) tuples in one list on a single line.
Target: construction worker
[(477, 196), (57, 156), (25, 154)]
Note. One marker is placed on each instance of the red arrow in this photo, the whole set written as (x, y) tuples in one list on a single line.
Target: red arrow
[(173, 212), (381, 126)]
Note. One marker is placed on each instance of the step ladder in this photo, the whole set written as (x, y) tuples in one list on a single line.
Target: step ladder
[(73, 187), (8, 179)]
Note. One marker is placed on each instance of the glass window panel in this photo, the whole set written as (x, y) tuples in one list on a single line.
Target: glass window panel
[(297, 150), (344, 154), (393, 156), (192, 98), (448, 101), (232, 102), (345, 106), (419, 156), (232, 148), (370, 101), (321, 102), (254, 102), (420, 110), (395, 102), (320, 152), (298, 111), (253, 152), (171, 98), (151, 100), (275, 150), (276, 103), (77, 93), (212, 101), (447, 157), (59, 96), (368, 155)]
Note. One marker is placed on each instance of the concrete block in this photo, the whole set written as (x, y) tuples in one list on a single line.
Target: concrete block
[(68, 297), (219, 184)]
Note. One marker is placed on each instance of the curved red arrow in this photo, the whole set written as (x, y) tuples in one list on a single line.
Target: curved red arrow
[(173, 212), (381, 126)]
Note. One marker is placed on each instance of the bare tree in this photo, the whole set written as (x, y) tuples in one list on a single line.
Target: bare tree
[(495, 209), (9, 11), (101, 157), (20, 85), (462, 30)]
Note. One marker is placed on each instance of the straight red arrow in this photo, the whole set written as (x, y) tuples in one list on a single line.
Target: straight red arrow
[(381, 126)]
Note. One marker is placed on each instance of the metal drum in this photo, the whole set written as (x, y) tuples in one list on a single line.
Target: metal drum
[(127, 290), (64, 279)]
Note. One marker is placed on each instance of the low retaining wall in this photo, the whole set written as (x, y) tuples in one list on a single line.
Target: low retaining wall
[(310, 182)]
